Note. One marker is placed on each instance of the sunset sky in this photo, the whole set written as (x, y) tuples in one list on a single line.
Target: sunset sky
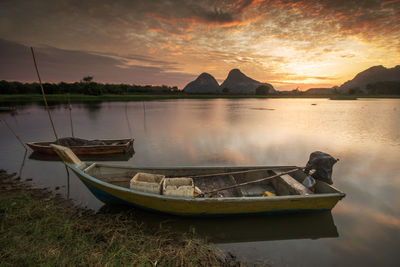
[(285, 43)]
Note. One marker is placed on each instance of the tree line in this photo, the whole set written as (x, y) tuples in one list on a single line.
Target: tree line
[(86, 86), (89, 87)]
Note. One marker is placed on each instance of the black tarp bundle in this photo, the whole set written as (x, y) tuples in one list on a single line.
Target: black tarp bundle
[(322, 163)]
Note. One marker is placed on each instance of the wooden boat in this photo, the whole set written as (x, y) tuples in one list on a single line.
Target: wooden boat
[(111, 184), (112, 146), (94, 157)]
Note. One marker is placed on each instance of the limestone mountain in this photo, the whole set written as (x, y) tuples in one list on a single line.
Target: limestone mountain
[(238, 82), (205, 83), (370, 76)]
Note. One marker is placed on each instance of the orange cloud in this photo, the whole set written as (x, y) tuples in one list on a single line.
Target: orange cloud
[(268, 39), (156, 30)]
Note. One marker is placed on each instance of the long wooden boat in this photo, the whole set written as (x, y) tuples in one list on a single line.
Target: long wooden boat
[(111, 184), (111, 146)]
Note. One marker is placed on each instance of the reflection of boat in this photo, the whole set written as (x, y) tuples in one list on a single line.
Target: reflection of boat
[(35, 155), (110, 184), (312, 225), (107, 146), (8, 109), (309, 225)]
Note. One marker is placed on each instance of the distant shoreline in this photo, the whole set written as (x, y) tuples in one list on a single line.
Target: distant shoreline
[(15, 98)]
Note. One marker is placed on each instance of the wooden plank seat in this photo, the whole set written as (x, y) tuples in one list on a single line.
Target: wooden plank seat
[(287, 185)]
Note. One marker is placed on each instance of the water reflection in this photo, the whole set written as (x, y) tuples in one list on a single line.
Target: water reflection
[(241, 229), (364, 134), (92, 109)]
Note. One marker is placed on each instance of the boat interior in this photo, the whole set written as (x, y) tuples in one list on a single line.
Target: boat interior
[(219, 182), (108, 142), (36, 155)]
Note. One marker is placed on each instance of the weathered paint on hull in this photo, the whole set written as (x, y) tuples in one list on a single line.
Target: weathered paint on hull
[(108, 193)]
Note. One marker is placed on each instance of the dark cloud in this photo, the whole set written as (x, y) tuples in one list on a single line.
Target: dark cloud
[(143, 59), (191, 36), (296, 19), (63, 65)]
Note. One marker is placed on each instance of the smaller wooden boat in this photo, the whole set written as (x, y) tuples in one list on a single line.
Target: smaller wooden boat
[(91, 157), (93, 147), (203, 191)]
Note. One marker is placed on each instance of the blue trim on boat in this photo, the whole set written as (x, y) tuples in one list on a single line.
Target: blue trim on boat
[(110, 199), (104, 196)]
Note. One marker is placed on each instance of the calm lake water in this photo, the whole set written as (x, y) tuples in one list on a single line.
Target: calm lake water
[(362, 230)]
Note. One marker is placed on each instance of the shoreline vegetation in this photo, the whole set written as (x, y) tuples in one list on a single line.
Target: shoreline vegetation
[(38, 228), (89, 91), (26, 98)]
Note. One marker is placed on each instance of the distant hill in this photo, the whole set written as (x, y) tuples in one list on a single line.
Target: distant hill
[(205, 83), (319, 91), (371, 76), (238, 82)]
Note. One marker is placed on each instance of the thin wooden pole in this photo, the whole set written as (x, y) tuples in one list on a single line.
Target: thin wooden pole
[(22, 165), (70, 115), (144, 117), (127, 120), (44, 96), (16, 136), (251, 182), (228, 173), (66, 168)]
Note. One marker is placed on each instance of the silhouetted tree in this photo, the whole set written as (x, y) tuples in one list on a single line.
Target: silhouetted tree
[(87, 79)]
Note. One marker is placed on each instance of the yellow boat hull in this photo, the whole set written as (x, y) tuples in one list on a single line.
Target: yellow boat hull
[(113, 194)]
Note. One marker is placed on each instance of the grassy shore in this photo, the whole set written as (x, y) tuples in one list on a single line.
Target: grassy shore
[(144, 97), (39, 229)]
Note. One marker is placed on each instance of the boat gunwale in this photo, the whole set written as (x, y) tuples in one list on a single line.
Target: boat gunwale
[(75, 168)]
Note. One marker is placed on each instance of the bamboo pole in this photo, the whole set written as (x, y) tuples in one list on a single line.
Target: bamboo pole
[(16, 136), (22, 165), (246, 183), (127, 120), (229, 173), (70, 115), (44, 96), (66, 168), (144, 117)]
